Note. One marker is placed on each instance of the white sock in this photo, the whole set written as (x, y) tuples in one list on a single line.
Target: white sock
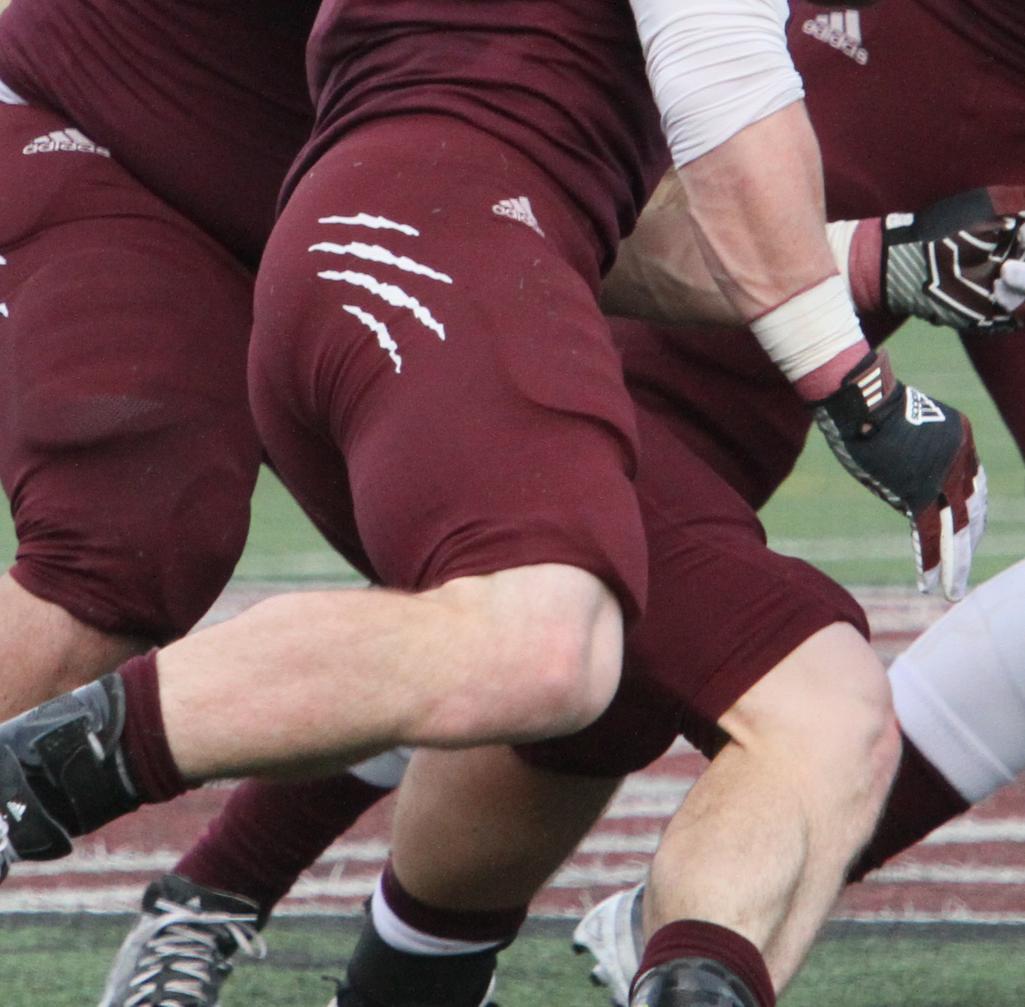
[(403, 937)]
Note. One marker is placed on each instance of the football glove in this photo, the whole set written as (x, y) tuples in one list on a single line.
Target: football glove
[(918, 455), (959, 262)]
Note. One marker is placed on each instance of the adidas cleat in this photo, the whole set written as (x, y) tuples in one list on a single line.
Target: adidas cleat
[(691, 982), (612, 933), (27, 831), (345, 996), (177, 954), (61, 771)]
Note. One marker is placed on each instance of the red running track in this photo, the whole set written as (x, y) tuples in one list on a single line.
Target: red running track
[(971, 870)]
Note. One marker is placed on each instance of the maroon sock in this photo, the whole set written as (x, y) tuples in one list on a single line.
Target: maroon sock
[(452, 924), (699, 939), (143, 741), (268, 833), (920, 801)]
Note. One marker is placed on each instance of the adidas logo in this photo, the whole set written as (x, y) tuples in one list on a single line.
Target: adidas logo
[(842, 30), (919, 409), (16, 810), (69, 140), (518, 208)]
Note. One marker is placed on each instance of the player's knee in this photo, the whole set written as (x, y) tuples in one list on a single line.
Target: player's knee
[(573, 670), (826, 709), (555, 646), (155, 571)]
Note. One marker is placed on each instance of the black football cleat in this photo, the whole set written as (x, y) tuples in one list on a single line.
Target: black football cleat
[(691, 982), (27, 832), (62, 773)]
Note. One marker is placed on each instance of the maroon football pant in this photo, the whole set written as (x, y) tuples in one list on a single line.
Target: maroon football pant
[(126, 446), (430, 373)]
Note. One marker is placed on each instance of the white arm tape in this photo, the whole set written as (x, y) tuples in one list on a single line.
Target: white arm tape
[(715, 67), (840, 235), (810, 329), (8, 97)]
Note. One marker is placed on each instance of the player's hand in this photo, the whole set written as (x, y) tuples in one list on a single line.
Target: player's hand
[(959, 263), (918, 455)]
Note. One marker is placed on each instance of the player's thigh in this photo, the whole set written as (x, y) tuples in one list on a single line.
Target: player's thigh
[(453, 356), (127, 449)]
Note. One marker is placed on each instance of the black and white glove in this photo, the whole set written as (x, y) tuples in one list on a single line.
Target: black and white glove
[(918, 455), (959, 262)]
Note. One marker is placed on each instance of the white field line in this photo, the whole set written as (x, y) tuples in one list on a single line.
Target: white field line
[(650, 798), (1008, 545), (890, 609), (97, 861), (308, 893)]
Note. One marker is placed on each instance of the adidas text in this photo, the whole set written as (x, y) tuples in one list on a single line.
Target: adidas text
[(65, 140), (842, 31)]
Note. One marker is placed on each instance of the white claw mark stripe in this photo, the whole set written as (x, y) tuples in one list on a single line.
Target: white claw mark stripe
[(3, 310), (390, 294), (375, 253), (376, 223), (380, 330)]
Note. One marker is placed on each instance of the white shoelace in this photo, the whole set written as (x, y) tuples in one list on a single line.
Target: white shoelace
[(185, 948)]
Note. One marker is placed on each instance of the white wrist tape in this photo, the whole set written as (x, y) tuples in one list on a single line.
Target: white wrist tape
[(715, 67), (810, 329)]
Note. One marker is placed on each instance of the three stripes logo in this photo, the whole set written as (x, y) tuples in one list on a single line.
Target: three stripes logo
[(68, 140), (871, 387), (840, 29), (385, 287), (519, 209)]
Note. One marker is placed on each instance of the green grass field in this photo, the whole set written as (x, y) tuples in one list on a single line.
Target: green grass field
[(61, 962), (820, 514)]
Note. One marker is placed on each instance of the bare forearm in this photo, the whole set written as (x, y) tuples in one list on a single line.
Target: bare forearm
[(757, 210)]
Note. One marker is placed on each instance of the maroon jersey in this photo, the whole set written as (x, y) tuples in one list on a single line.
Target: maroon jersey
[(205, 102), (995, 27), (562, 81)]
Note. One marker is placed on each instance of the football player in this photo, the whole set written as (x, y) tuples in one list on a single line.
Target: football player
[(504, 515), (516, 212), (141, 159)]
